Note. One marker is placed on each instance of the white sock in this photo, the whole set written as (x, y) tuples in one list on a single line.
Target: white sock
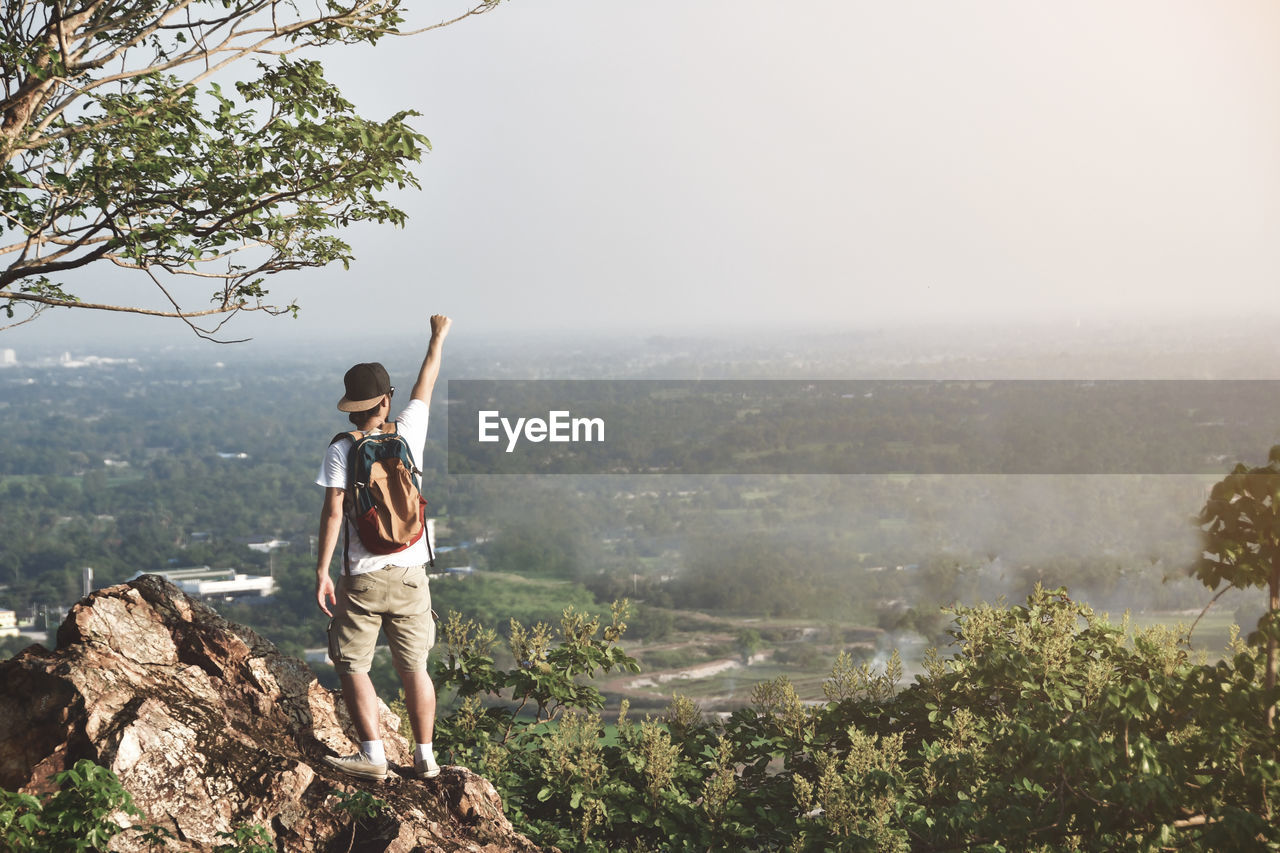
[(422, 752), (372, 750)]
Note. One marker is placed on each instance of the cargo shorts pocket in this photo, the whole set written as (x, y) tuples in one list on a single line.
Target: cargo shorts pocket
[(411, 594), (362, 592)]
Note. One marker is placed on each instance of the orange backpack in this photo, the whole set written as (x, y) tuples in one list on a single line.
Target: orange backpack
[(383, 498)]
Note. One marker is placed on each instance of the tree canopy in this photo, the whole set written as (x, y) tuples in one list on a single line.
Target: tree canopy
[(125, 138), (1240, 526)]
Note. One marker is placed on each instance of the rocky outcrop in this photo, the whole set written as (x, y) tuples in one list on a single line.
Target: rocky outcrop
[(210, 727)]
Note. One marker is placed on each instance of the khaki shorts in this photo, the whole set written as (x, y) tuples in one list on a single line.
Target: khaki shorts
[(396, 599)]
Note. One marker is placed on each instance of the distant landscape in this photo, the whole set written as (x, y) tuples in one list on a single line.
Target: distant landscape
[(181, 457)]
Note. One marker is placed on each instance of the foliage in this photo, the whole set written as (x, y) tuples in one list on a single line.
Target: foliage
[(359, 804), (546, 678), (78, 817), (1241, 546), (546, 681), (91, 807), (1045, 730), (1241, 526), (118, 144), (246, 838), (749, 642)]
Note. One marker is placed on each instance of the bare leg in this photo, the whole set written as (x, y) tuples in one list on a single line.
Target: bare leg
[(362, 704), (420, 702)]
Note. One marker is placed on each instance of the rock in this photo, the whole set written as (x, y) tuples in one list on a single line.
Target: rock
[(210, 728)]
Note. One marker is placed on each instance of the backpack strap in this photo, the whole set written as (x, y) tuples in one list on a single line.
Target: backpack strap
[(346, 546), (355, 435), (426, 534)]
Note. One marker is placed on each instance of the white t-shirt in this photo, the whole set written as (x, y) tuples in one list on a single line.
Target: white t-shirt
[(412, 424)]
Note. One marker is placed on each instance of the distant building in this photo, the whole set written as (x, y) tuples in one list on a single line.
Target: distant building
[(452, 572), (8, 623), (268, 546), (8, 357), (218, 584), (65, 360)]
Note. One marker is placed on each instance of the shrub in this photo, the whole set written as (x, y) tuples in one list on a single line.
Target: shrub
[(1046, 730)]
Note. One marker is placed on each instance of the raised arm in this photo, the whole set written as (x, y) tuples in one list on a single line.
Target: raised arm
[(431, 362)]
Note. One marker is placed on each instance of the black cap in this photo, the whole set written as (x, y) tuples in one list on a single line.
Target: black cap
[(366, 384)]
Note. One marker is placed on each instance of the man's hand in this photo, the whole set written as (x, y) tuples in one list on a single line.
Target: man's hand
[(325, 592), (431, 363)]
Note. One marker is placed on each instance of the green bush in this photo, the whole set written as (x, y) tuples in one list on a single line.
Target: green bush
[(80, 817), (74, 818), (1046, 730)]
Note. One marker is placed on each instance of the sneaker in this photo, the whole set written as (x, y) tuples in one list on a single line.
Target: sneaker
[(359, 765), (426, 768)]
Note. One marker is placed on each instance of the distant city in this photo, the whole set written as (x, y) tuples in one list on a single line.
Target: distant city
[(9, 358), (201, 459)]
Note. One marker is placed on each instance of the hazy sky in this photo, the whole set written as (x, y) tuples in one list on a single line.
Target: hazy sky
[(643, 165)]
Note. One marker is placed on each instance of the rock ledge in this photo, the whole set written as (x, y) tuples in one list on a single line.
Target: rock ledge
[(209, 727)]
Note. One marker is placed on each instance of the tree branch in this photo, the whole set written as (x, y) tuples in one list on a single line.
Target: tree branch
[(1212, 602), (36, 311), (129, 309), (186, 318), (109, 151)]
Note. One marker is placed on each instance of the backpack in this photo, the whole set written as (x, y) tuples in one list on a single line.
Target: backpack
[(383, 498)]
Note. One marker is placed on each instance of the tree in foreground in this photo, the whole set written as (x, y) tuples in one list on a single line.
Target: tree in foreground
[(1240, 526), (124, 141)]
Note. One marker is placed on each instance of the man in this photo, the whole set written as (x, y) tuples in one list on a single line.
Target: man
[(379, 591)]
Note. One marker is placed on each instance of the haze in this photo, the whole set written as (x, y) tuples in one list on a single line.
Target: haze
[(656, 165)]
